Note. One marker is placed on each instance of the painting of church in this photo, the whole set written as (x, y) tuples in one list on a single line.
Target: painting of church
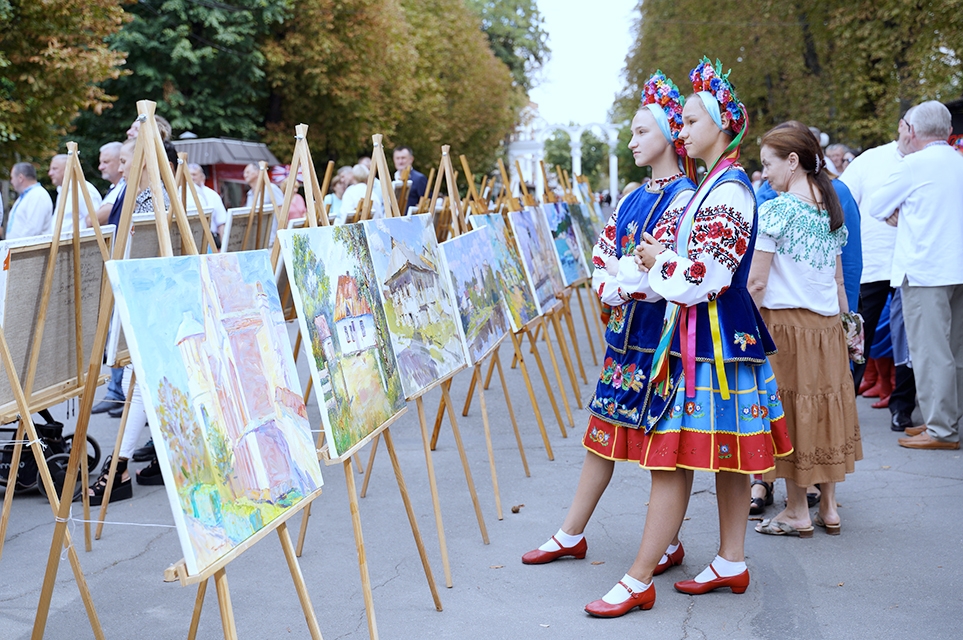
[(208, 339), (353, 318)]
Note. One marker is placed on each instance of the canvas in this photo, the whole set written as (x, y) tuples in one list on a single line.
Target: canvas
[(538, 256), (571, 260), (344, 328), (214, 364), (515, 286), (418, 303), (588, 234), (475, 273), (592, 208)]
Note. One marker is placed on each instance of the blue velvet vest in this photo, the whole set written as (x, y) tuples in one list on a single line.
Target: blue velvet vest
[(621, 395)]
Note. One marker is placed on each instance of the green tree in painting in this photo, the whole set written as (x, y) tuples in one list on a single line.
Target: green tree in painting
[(312, 280), (182, 435)]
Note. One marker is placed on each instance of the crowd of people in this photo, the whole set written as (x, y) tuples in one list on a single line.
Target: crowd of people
[(741, 313)]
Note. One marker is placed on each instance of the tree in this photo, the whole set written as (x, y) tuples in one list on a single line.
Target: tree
[(52, 56), (516, 35), (595, 153)]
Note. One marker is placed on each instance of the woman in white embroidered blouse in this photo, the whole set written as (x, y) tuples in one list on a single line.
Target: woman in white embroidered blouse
[(797, 281)]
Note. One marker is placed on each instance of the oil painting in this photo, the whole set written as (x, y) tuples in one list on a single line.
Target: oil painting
[(588, 233), (537, 249), (515, 286), (571, 260)]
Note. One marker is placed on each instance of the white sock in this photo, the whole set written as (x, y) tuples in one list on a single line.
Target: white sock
[(672, 549), (618, 594), (723, 567), (564, 539)]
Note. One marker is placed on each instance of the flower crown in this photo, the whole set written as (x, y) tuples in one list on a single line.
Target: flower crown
[(661, 91), (706, 77), (956, 141)]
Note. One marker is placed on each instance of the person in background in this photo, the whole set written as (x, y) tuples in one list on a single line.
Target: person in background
[(298, 207), (404, 158), (339, 183), (32, 212), (923, 197), (756, 180), (109, 167), (58, 166), (837, 155), (210, 200), (355, 193)]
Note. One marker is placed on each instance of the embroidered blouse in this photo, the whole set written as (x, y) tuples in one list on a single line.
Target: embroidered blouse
[(805, 254)]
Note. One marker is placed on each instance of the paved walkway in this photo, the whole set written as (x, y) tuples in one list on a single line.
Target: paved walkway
[(895, 572)]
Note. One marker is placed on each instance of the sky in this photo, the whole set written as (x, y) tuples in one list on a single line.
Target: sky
[(589, 42)]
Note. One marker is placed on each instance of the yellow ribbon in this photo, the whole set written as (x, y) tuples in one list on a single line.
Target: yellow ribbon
[(717, 350)]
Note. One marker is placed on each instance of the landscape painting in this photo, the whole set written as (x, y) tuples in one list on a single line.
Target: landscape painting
[(344, 328), (589, 235), (419, 307), (592, 208), (515, 286), (570, 258), (213, 359), (475, 274), (537, 249)]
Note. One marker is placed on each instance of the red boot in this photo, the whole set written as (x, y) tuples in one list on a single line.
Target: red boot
[(884, 383), (869, 377)]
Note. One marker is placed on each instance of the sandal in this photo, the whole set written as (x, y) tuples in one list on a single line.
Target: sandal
[(772, 527), (151, 474), (122, 489), (758, 505), (831, 529)]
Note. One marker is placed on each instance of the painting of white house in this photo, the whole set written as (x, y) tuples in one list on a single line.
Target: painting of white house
[(517, 291)]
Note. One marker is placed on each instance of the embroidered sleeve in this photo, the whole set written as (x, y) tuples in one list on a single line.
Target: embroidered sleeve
[(772, 224), (720, 236)]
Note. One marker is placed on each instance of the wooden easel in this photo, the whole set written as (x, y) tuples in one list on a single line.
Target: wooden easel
[(148, 150), (256, 216), (316, 214), (75, 182), (185, 187)]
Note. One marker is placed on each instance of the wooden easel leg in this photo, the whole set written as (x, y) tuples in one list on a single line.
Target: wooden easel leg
[(11, 484), (446, 396), (471, 392), (571, 333), (439, 417), (548, 386), (588, 331), (298, 578), (225, 606), (359, 545), (112, 472), (303, 531), (198, 607), (517, 345), (511, 414), (488, 444), (412, 520), (433, 486), (367, 476), (491, 370), (567, 358)]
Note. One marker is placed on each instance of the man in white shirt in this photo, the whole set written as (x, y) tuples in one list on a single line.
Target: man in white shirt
[(250, 177), (32, 212), (923, 196), (210, 199), (109, 168), (58, 165), (864, 176)]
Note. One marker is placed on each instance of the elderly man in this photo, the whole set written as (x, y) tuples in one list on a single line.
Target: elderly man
[(404, 158), (109, 168), (250, 177), (210, 199), (58, 166), (32, 213), (923, 197)]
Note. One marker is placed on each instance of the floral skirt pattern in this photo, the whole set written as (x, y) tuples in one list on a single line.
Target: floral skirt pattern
[(743, 434)]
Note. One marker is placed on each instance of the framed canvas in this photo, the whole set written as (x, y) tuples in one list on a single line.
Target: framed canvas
[(345, 331), (571, 260), (417, 301), (515, 286), (475, 275), (537, 249), (217, 375), (588, 234)]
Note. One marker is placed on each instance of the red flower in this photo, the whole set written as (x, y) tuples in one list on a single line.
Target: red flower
[(638, 296), (697, 270), (741, 246), (601, 288), (610, 233), (716, 229), (668, 269), (598, 262)]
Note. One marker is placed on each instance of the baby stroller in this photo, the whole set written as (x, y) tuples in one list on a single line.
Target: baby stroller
[(56, 447)]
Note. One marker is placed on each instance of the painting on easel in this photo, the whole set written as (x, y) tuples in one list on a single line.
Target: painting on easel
[(536, 247), (592, 208), (417, 301), (344, 327), (516, 289), (589, 235), (570, 257), (210, 347), (475, 273)]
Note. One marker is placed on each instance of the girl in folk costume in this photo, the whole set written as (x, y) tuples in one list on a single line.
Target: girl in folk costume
[(714, 405), (622, 395)]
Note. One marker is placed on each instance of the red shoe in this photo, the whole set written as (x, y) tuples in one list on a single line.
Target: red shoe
[(544, 557), (882, 403), (738, 584), (643, 600), (673, 559)]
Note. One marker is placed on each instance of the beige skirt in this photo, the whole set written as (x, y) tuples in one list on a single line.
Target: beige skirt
[(816, 386)]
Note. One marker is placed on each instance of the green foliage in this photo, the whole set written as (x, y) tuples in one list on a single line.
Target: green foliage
[(595, 154), (628, 172), (847, 68), (52, 54), (516, 35)]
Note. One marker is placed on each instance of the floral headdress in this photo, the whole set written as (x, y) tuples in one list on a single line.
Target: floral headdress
[(706, 77), (660, 91)]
